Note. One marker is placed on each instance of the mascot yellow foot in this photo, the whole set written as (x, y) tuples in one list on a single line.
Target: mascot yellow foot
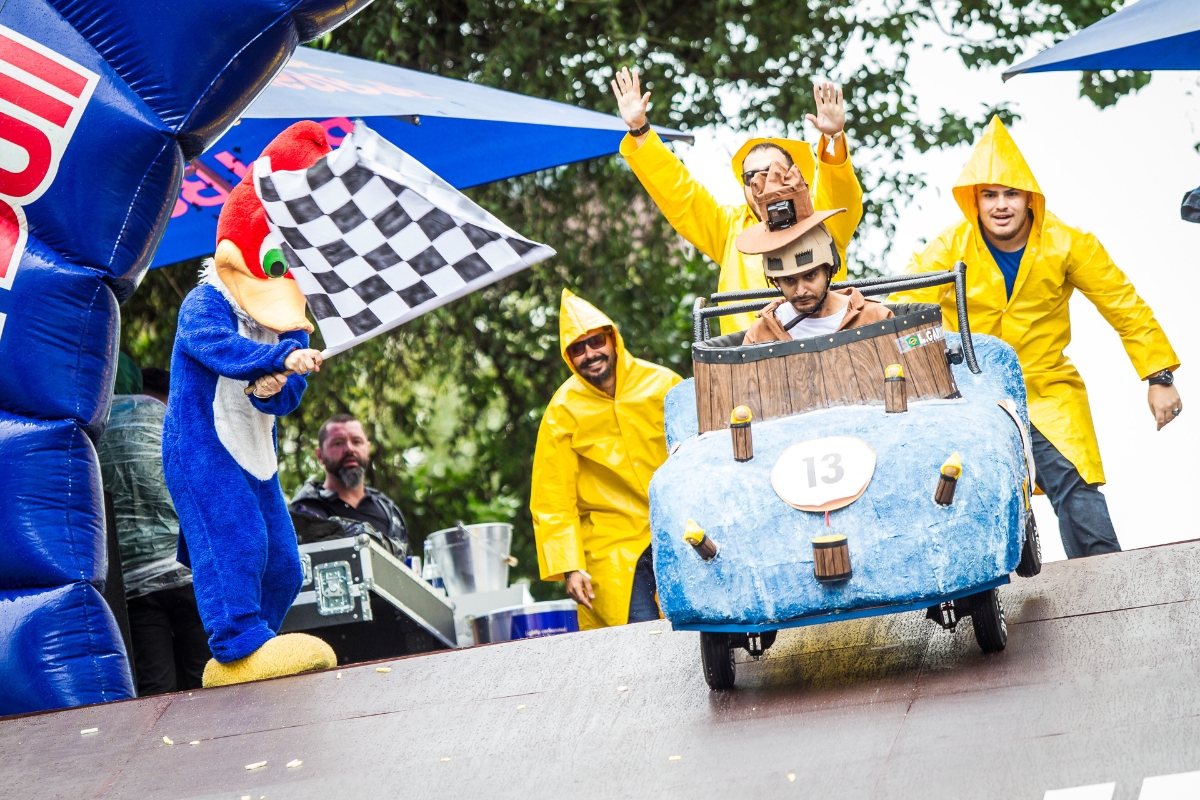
[(284, 655)]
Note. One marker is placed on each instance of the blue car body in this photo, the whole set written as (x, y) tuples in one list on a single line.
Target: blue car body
[(906, 551)]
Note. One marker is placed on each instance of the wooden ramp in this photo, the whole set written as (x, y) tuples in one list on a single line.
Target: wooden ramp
[(1100, 683)]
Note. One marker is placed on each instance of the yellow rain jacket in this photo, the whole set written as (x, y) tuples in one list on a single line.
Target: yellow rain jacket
[(1058, 259), (712, 228), (592, 467)]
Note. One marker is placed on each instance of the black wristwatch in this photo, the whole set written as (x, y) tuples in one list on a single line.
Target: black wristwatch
[(1164, 378), (642, 131)]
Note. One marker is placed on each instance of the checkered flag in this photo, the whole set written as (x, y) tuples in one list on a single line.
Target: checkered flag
[(374, 238)]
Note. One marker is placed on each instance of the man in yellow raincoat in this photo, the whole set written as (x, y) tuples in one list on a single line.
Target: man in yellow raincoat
[(1023, 265), (712, 227), (600, 441)]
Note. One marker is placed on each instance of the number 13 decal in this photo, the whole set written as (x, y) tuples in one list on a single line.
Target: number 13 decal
[(833, 461), (823, 474)]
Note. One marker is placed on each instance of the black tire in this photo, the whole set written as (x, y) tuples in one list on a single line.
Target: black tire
[(987, 618), (716, 654), (1031, 552)]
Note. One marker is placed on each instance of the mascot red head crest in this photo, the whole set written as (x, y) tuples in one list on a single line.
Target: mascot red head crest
[(249, 260)]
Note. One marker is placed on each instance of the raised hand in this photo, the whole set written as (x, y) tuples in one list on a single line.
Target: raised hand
[(630, 101), (831, 110)]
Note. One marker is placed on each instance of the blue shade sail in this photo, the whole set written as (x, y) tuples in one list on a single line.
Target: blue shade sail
[(466, 133), (1147, 35)]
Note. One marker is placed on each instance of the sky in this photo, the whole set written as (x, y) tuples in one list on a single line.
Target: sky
[(1119, 173)]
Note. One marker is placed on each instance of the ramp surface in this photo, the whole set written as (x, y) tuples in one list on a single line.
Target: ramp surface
[(1097, 685)]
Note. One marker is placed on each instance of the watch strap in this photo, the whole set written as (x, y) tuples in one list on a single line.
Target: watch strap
[(642, 131), (1163, 378)]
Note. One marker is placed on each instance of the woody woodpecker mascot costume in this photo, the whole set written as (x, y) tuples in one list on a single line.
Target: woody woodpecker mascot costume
[(241, 350)]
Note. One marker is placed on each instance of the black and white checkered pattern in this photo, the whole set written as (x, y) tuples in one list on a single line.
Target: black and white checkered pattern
[(372, 247)]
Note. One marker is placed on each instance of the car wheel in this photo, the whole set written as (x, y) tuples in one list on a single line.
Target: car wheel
[(1031, 552), (716, 654), (987, 618)]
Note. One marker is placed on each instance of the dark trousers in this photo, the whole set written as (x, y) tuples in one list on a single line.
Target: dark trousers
[(1083, 521), (643, 606), (170, 647)]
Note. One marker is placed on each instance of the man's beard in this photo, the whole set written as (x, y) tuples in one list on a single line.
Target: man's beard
[(351, 477), (812, 308), (602, 377)]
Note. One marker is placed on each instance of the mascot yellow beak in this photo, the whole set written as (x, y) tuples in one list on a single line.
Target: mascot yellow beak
[(275, 303)]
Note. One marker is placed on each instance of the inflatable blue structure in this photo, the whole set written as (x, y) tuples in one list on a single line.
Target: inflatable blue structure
[(102, 104), (907, 542)]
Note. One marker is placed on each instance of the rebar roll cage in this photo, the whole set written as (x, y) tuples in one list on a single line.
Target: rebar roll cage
[(756, 299)]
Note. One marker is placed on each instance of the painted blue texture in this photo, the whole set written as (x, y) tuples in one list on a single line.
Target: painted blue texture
[(904, 548), (839, 615), (141, 87)]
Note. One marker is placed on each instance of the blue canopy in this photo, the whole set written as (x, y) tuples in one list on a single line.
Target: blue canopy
[(467, 134), (1148, 35)]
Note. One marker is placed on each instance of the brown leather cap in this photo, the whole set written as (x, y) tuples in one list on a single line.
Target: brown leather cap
[(780, 184)]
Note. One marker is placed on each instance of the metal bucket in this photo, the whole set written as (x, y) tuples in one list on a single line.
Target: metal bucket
[(473, 558), (526, 622)]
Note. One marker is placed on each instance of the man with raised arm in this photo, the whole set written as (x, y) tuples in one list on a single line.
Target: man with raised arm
[(712, 227), (1023, 265)]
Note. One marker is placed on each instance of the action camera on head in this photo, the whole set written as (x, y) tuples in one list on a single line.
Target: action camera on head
[(781, 214)]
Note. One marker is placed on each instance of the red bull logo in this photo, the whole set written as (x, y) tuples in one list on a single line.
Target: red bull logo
[(42, 97)]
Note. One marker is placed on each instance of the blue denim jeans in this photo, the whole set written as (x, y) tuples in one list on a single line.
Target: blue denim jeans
[(1083, 521), (643, 606)]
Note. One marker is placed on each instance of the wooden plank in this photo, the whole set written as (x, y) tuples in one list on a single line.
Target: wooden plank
[(703, 381), (806, 382), (916, 369), (868, 370), (721, 385), (841, 386), (935, 360), (773, 388), (745, 388)]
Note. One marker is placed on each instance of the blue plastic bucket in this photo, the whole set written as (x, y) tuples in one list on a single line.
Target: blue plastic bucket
[(526, 621)]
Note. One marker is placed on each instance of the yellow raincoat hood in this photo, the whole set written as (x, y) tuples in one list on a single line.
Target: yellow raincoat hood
[(996, 159), (1035, 320), (712, 228), (595, 456), (576, 317)]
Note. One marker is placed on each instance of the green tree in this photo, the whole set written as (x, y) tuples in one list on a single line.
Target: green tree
[(453, 400)]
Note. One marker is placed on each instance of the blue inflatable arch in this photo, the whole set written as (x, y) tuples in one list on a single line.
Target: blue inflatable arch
[(102, 104)]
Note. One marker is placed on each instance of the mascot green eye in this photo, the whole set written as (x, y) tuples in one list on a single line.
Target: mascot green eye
[(274, 264)]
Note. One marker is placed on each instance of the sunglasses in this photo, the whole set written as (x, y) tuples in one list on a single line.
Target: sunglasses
[(596, 341), (749, 176)]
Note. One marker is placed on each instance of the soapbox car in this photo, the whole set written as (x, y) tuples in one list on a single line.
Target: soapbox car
[(876, 470)]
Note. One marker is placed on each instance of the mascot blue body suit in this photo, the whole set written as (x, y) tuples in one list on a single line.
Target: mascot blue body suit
[(237, 533), (235, 346)]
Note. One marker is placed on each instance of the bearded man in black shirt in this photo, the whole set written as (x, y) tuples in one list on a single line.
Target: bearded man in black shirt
[(344, 450)]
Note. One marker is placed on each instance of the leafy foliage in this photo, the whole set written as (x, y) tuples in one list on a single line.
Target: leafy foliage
[(453, 400)]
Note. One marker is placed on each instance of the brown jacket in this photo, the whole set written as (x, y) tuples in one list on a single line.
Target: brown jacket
[(768, 328)]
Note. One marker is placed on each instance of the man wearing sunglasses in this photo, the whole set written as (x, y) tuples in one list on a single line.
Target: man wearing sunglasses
[(600, 441), (712, 227)]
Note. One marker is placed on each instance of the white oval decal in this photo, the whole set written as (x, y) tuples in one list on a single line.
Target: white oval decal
[(823, 474)]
